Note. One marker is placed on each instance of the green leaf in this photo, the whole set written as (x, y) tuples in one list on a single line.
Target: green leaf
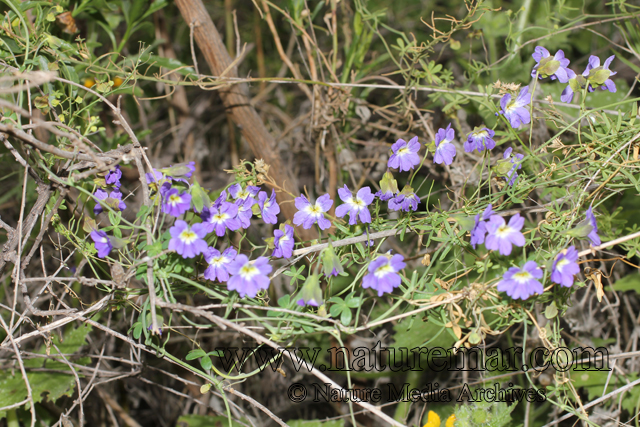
[(346, 316), (551, 311), (137, 330), (51, 385), (155, 6), (195, 354), (336, 309), (630, 282), (205, 362), (284, 301), (171, 64)]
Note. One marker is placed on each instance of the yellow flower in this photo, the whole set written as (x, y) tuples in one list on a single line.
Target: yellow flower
[(450, 421), (433, 420)]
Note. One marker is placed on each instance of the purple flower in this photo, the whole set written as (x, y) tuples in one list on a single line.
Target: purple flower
[(405, 154), (406, 200), (110, 198), (102, 243), (547, 66), (480, 228), (574, 85), (192, 168), (248, 277), (565, 267), (598, 76), (221, 199), (501, 236), (283, 242), (356, 206), (186, 241), (268, 207), (237, 192), (516, 161), (113, 177), (218, 263), (445, 150), (515, 110), (383, 273), (480, 139), (155, 176), (592, 77), (593, 234), (221, 217), (309, 214), (175, 203), (521, 283), (244, 211), (384, 196)]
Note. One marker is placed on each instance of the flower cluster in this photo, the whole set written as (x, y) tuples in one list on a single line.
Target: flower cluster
[(557, 67), (521, 283), (236, 206), (110, 193)]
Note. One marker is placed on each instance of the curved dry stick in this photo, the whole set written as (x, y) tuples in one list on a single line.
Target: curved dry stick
[(237, 102)]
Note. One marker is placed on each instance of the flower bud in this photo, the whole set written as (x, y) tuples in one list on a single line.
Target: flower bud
[(580, 231), (180, 170), (331, 265), (466, 223), (548, 66), (388, 184), (310, 293), (199, 197), (503, 167), (598, 76)]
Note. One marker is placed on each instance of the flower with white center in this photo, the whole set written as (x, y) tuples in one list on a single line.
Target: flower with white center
[(445, 150), (248, 277), (309, 214), (383, 273), (565, 267), (521, 283), (355, 206), (187, 241), (221, 217), (218, 263), (502, 235)]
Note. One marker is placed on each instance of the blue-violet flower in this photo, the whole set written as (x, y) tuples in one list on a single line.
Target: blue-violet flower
[(218, 263), (283, 242), (521, 283), (480, 139), (501, 235), (248, 277), (515, 109), (383, 273), (356, 206), (309, 214), (445, 150), (187, 241), (405, 154), (565, 267)]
